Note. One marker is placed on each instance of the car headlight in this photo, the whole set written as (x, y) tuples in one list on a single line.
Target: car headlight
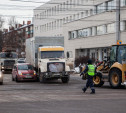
[(2, 67), (34, 72), (20, 73)]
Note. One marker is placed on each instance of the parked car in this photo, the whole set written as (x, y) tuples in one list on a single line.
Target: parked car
[(21, 60), (23, 72), (1, 77)]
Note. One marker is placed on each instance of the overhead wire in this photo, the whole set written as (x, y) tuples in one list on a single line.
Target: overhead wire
[(66, 9)]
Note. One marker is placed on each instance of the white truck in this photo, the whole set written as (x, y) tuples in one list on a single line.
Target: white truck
[(46, 54)]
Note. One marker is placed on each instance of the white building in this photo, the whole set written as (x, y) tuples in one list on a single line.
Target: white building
[(88, 26)]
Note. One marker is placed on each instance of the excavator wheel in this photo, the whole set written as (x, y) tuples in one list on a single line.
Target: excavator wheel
[(97, 80), (115, 78)]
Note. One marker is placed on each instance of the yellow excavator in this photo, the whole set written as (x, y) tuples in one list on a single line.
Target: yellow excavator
[(112, 70)]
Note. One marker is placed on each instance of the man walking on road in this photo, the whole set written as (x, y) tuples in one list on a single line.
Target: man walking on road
[(90, 70)]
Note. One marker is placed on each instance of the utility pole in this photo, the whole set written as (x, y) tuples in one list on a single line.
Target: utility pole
[(117, 20)]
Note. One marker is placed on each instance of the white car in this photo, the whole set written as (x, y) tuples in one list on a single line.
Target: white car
[(21, 60), (1, 77)]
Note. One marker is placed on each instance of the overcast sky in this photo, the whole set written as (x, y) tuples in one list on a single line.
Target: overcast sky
[(21, 10)]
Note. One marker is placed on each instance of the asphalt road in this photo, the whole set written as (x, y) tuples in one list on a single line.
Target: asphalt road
[(56, 97)]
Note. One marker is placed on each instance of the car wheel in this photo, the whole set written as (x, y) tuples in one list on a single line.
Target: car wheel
[(12, 78), (1, 83), (17, 79)]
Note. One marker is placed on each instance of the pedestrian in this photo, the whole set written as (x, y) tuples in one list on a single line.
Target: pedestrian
[(90, 70), (96, 62)]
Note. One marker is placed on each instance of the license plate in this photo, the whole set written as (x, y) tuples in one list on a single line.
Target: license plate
[(124, 83), (57, 74), (28, 76)]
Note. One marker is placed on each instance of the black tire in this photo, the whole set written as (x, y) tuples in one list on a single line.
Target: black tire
[(97, 80), (1, 83), (65, 79), (12, 78), (42, 78), (115, 78), (17, 79)]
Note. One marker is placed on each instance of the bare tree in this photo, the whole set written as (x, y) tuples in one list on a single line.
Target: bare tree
[(12, 21), (1, 26)]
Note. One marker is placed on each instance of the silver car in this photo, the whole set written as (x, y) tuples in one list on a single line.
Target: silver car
[(1, 77), (21, 60)]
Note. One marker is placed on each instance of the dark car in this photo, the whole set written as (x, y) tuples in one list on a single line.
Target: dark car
[(23, 72)]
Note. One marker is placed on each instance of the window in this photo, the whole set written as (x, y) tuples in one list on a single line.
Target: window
[(25, 67), (73, 34), (37, 16), (82, 14), (113, 54), (86, 13), (124, 25), (100, 8), (111, 28), (100, 30), (52, 54), (91, 11), (78, 16), (123, 2), (90, 31), (85, 32), (69, 54), (111, 5), (80, 33), (67, 19)]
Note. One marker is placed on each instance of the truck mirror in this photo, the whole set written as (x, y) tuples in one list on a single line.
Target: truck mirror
[(68, 55)]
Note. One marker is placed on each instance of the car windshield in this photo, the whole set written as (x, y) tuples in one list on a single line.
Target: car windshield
[(52, 54), (25, 67)]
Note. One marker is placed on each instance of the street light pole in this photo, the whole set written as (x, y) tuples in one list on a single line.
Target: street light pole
[(117, 20)]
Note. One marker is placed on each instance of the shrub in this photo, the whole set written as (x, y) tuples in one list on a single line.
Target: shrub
[(83, 60)]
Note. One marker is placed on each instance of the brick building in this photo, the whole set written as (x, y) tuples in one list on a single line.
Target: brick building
[(14, 38)]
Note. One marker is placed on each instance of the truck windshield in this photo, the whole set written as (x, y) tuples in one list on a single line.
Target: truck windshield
[(121, 53), (52, 54), (8, 55)]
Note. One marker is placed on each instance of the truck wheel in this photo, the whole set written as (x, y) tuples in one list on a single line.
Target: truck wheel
[(98, 80), (115, 78), (65, 79), (42, 79)]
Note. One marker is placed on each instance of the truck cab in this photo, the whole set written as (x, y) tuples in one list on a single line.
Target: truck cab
[(7, 60), (52, 64)]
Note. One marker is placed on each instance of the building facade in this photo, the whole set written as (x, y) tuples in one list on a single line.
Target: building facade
[(14, 39), (88, 26)]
